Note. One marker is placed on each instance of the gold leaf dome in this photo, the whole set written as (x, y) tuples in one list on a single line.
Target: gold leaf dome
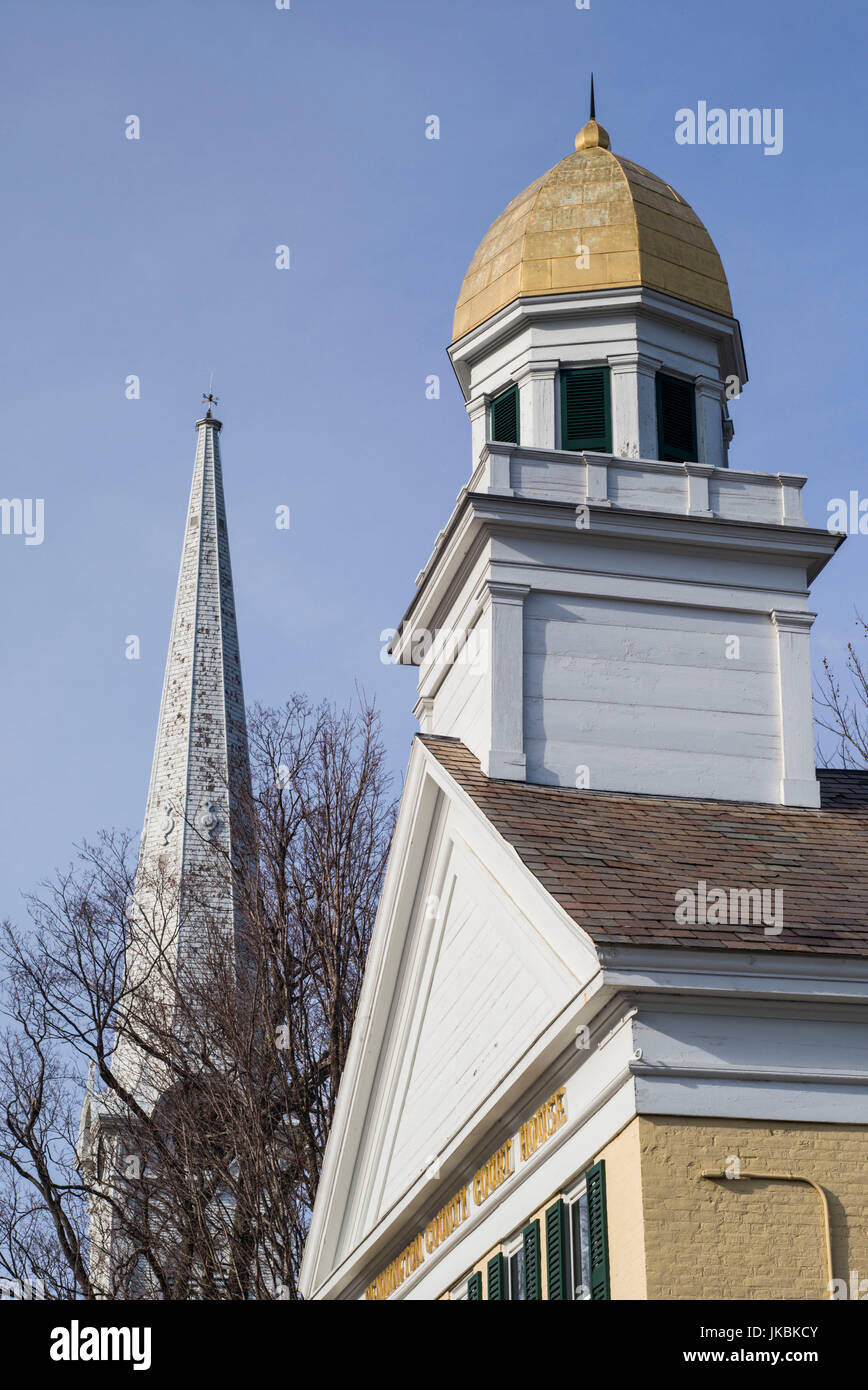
[(636, 230)]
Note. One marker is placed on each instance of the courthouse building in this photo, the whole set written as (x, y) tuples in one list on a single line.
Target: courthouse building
[(613, 1036)]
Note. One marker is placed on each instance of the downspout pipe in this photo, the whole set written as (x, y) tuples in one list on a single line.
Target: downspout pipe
[(790, 1177)]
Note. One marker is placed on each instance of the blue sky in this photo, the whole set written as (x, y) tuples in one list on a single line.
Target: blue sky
[(306, 127)]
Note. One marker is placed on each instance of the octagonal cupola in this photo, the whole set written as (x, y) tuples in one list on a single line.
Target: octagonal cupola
[(610, 605)]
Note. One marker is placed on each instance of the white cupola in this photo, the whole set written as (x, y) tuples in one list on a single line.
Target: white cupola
[(610, 605)]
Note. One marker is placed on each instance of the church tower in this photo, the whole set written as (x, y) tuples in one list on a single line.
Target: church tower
[(195, 840), (640, 604)]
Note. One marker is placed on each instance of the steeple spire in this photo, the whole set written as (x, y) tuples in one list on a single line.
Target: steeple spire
[(195, 843), (200, 778), (200, 769), (593, 114)]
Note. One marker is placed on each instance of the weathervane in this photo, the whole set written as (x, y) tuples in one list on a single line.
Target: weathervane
[(210, 399)]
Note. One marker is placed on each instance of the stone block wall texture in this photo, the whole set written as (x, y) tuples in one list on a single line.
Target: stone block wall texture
[(749, 1239)]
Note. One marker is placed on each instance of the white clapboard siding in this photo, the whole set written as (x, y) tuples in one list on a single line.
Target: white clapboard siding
[(622, 768), (635, 690), (462, 706), (494, 986)]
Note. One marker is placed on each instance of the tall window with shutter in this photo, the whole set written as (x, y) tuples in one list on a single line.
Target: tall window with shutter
[(532, 1267), (676, 419), (598, 1239), (556, 1251), (497, 1279), (577, 1247), (504, 417), (572, 1243), (586, 412)]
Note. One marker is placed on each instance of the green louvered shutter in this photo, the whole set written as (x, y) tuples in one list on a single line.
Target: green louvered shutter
[(676, 419), (532, 1270), (496, 1278), (586, 416), (474, 1288), (504, 417), (556, 1251), (598, 1240)]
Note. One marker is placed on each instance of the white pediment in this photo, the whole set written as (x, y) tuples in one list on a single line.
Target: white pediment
[(470, 963)]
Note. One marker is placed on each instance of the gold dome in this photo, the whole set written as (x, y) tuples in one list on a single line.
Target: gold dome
[(636, 228)]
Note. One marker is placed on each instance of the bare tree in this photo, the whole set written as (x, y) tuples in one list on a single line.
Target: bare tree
[(205, 1191), (843, 702)]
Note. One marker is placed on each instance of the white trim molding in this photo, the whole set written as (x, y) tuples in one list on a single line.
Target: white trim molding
[(799, 785), (634, 404), (503, 605)]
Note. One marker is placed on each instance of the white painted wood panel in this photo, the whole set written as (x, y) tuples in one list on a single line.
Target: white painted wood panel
[(813, 1046), (462, 703), (636, 487), (563, 481), (744, 501), (493, 988), (645, 697)]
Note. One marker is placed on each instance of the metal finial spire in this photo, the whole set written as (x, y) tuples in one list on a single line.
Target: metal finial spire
[(210, 399), (593, 136)]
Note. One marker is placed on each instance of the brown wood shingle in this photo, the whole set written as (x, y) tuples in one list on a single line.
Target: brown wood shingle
[(615, 861)]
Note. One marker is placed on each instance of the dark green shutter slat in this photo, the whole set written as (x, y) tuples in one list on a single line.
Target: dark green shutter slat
[(504, 417), (598, 1239), (474, 1288), (556, 1251), (676, 419), (586, 416), (496, 1278), (532, 1270)]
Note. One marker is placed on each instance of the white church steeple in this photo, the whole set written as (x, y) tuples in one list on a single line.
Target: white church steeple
[(195, 842), (200, 778)]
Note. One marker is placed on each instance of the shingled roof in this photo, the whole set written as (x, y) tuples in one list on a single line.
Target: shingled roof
[(615, 861)]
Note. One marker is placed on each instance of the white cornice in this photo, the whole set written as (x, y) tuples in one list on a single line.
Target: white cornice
[(815, 978), (480, 516), (528, 310)]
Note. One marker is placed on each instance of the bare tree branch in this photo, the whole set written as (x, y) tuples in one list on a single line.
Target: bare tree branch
[(212, 1083)]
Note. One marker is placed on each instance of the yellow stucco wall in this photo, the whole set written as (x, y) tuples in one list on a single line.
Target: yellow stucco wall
[(749, 1239), (676, 1235)]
